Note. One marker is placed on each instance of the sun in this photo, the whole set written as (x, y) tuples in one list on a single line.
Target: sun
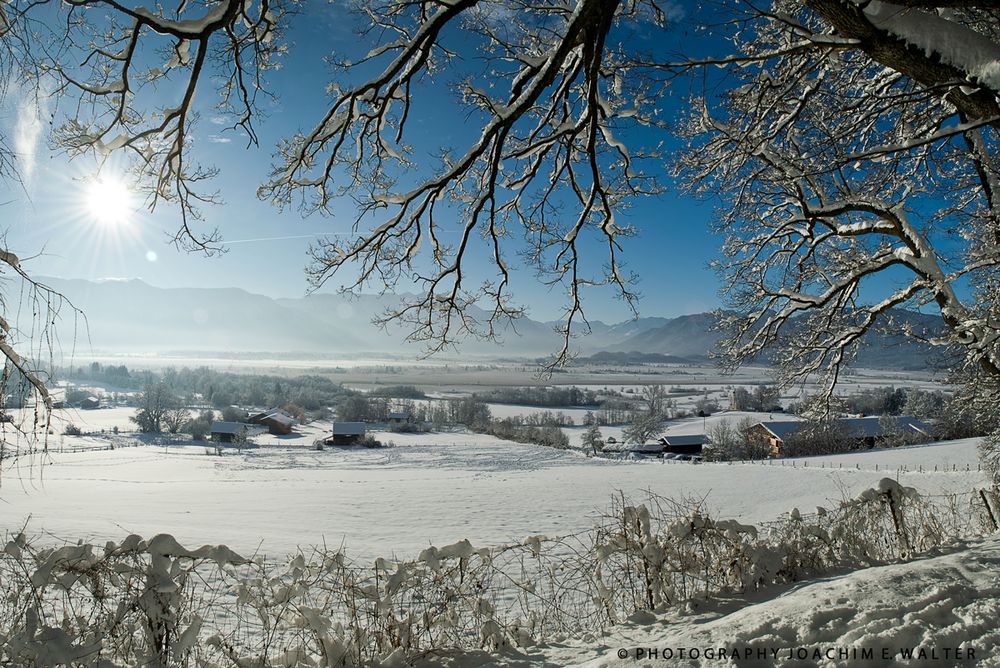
[(109, 201)]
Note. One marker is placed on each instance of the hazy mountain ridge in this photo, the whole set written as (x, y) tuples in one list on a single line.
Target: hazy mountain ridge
[(133, 316)]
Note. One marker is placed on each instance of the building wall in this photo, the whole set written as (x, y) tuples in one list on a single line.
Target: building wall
[(760, 435)]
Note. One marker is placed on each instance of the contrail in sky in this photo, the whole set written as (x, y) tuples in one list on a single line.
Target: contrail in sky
[(294, 236)]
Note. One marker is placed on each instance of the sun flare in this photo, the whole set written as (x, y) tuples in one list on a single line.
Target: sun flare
[(109, 201)]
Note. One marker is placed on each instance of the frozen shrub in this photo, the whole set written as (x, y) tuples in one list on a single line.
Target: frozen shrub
[(156, 603), (989, 455)]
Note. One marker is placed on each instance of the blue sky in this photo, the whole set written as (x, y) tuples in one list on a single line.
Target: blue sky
[(267, 248)]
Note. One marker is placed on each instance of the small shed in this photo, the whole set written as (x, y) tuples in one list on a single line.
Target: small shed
[(644, 449), (688, 444), (277, 421), (90, 403), (229, 432), (612, 446), (401, 417), (346, 433)]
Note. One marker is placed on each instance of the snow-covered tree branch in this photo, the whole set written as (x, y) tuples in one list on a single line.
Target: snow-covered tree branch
[(545, 162), (855, 181)]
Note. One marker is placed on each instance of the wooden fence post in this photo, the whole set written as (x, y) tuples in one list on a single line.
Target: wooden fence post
[(897, 522), (989, 509)]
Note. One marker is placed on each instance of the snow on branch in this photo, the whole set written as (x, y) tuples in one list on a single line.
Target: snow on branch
[(849, 191), (547, 142), (938, 38), (27, 340)]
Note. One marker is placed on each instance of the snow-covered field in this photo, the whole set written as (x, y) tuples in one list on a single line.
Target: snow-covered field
[(96, 420), (439, 488), (428, 489)]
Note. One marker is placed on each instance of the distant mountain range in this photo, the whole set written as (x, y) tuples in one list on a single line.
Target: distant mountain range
[(130, 316)]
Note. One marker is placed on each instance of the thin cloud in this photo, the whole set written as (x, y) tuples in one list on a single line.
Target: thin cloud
[(32, 107), (294, 236), (219, 139)]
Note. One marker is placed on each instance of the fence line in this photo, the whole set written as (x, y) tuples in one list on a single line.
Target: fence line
[(827, 465)]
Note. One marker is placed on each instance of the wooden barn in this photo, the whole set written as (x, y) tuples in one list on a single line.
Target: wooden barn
[(401, 417), (346, 433), (90, 403), (687, 444), (277, 421), (229, 432), (868, 431), (774, 433)]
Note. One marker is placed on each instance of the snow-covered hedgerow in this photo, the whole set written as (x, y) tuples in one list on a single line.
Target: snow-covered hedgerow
[(155, 603), (665, 553)]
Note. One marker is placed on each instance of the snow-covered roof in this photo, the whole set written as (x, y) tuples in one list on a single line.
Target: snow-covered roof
[(869, 427), (782, 429), (348, 428), (859, 427), (648, 448), (228, 427), (687, 439), (280, 416)]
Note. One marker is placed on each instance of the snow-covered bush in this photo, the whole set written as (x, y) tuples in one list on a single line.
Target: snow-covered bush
[(989, 455), (128, 603), (155, 603), (663, 552)]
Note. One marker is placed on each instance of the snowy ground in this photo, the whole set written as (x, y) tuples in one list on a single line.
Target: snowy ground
[(87, 420), (444, 487), (440, 488), (430, 488), (939, 610), (501, 411)]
